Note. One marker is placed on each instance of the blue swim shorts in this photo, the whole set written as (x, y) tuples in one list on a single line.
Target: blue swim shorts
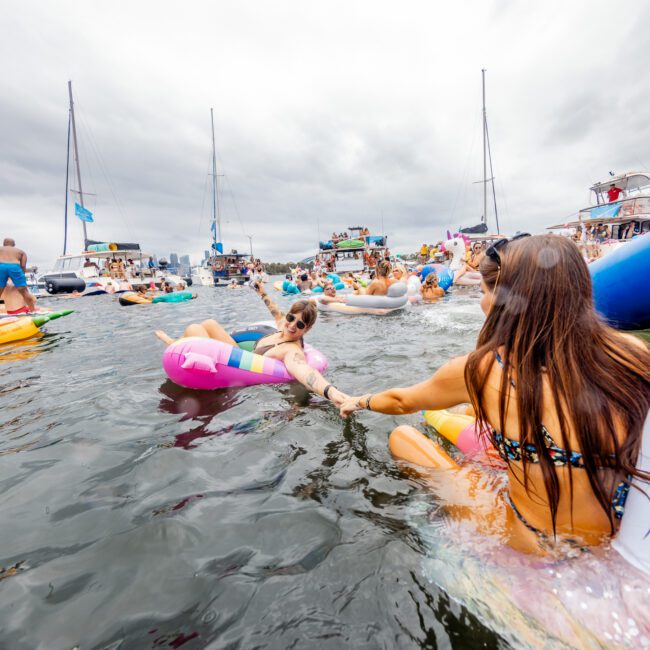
[(13, 271)]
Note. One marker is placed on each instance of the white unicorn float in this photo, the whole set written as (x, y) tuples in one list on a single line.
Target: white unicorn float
[(462, 277)]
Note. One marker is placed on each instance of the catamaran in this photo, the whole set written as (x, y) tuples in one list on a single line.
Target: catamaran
[(102, 266)]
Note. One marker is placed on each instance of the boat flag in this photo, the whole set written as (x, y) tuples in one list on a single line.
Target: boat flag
[(83, 213), (218, 246)]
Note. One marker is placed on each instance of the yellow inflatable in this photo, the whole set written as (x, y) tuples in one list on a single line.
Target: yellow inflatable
[(407, 443), (133, 298), (27, 326), (461, 430)]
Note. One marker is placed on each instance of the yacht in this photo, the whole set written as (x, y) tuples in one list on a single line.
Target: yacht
[(625, 217), (352, 253), (202, 274)]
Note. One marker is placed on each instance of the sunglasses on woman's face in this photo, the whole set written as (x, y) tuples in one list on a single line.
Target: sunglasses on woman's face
[(493, 251), (299, 324)]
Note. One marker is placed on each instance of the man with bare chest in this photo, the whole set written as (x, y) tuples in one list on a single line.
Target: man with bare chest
[(13, 262)]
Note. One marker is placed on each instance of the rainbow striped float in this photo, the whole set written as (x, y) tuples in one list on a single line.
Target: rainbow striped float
[(207, 364)]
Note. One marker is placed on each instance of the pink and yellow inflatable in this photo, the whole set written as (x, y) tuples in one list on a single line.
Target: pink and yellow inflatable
[(206, 364), (461, 430)]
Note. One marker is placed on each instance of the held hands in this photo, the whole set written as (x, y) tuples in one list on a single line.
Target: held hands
[(350, 405), (337, 397)]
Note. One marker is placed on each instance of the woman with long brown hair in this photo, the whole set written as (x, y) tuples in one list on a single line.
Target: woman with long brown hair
[(561, 396)]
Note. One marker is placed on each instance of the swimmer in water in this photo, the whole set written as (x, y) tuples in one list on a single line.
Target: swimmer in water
[(561, 396), (286, 345), (304, 283), (379, 285), (430, 289), (329, 294), (398, 275)]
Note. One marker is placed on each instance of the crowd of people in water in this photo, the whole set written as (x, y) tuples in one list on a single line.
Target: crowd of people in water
[(560, 397)]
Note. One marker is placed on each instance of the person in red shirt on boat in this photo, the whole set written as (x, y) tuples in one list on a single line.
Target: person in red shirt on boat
[(613, 193)]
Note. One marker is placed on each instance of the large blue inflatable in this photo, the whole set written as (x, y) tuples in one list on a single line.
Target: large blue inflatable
[(445, 275), (621, 285), (290, 287)]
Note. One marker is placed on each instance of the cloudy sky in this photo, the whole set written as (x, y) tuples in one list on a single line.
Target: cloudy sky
[(327, 114)]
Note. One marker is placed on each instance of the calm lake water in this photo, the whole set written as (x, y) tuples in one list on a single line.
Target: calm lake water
[(137, 514)]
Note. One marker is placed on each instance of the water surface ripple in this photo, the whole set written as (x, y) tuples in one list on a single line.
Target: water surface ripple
[(137, 514)]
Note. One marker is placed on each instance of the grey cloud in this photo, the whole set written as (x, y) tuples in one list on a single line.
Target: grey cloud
[(327, 115)]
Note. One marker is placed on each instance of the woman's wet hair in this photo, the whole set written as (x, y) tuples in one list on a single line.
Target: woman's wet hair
[(543, 325), (383, 268), (308, 310)]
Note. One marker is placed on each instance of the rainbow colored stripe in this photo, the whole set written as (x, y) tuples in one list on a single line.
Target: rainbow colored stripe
[(245, 360)]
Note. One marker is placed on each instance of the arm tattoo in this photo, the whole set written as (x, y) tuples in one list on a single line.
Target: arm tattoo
[(311, 380), (272, 307), (299, 357)]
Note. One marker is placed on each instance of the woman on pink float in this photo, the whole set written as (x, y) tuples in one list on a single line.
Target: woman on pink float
[(277, 357)]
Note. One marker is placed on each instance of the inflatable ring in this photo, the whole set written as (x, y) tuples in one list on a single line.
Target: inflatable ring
[(461, 430), (207, 364), (217, 266), (132, 298), (290, 287), (444, 273), (395, 299)]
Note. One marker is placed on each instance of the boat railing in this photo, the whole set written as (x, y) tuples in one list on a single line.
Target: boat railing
[(629, 207)]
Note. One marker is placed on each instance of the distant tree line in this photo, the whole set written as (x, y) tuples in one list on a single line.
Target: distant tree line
[(280, 268)]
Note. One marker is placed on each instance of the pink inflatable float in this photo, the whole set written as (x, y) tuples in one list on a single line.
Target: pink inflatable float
[(206, 364)]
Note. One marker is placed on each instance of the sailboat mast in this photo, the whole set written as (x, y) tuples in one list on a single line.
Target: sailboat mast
[(484, 150), (76, 158), (216, 212), (67, 176)]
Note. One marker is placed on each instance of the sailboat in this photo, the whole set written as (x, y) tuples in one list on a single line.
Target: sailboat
[(224, 267), (482, 227), (88, 272)]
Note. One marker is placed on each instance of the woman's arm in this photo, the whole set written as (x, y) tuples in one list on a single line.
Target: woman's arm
[(276, 312), (444, 389), (297, 366)]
